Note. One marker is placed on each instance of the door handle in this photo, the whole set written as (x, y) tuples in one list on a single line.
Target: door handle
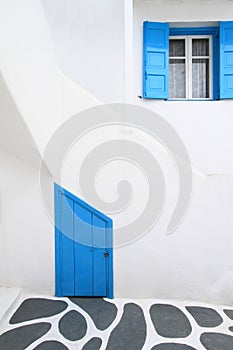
[(106, 254)]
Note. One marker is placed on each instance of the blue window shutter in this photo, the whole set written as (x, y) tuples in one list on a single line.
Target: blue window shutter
[(155, 60), (226, 60)]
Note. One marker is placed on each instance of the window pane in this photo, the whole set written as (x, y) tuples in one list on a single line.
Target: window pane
[(200, 78), (177, 47), (200, 47), (177, 88)]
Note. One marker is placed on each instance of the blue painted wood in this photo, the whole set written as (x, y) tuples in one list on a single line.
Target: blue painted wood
[(155, 60), (58, 272), (99, 258), (226, 60), (67, 246), (83, 252), (216, 89), (82, 237), (110, 259), (193, 31), (81, 202)]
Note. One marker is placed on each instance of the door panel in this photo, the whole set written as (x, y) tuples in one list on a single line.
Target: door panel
[(99, 259), (83, 252), (67, 243), (83, 239)]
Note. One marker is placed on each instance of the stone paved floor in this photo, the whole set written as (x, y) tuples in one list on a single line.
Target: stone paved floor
[(45, 323)]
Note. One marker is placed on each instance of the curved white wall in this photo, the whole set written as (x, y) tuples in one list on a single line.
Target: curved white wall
[(28, 66), (26, 233), (89, 43), (30, 112)]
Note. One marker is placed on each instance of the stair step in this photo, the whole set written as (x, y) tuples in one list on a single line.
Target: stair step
[(8, 298)]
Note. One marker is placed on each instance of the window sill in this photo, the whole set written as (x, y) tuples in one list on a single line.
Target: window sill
[(191, 100)]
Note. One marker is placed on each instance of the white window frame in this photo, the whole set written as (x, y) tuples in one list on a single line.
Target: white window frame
[(188, 64)]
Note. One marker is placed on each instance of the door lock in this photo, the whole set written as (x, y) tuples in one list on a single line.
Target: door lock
[(106, 254)]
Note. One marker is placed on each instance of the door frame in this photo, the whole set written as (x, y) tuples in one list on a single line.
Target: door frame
[(58, 191)]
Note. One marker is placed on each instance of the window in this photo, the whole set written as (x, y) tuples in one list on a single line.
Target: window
[(187, 63), (190, 67)]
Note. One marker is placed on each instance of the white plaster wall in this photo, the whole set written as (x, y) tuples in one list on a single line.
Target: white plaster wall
[(89, 42), (15, 136), (74, 98), (183, 10), (29, 67), (26, 233), (195, 261), (40, 97), (205, 127)]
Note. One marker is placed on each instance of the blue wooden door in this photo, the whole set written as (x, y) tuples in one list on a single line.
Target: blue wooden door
[(83, 242)]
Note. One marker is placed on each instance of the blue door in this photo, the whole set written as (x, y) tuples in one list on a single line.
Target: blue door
[(83, 248)]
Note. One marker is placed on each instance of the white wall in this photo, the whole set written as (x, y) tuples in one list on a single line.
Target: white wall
[(205, 127), (74, 98), (26, 233), (183, 10), (28, 66), (89, 43), (195, 261), (15, 136)]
